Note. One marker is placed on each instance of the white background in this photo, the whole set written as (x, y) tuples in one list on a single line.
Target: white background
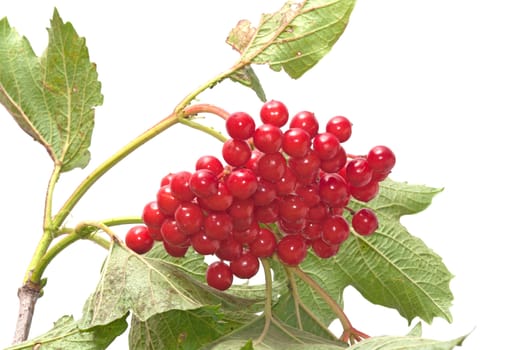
[(443, 83)]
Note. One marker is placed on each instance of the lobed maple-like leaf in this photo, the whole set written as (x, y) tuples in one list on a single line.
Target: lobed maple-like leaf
[(52, 97), (390, 268)]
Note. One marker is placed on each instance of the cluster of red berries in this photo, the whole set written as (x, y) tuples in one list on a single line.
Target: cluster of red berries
[(280, 192)]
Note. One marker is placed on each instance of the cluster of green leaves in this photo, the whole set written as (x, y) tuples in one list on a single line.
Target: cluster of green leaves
[(165, 299)]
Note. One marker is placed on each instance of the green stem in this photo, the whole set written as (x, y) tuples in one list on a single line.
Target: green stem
[(205, 129), (76, 235), (268, 307), (48, 234), (348, 329), (101, 241)]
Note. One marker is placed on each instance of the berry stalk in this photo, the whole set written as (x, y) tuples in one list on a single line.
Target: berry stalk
[(268, 307), (348, 329)]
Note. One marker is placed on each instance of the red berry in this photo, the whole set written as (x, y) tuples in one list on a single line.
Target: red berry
[(312, 230), (296, 142), (340, 127), (293, 208), (264, 244), (172, 234), (179, 185), (265, 193), (189, 218), (364, 193), (305, 168), (309, 194), (229, 249), (335, 230), (166, 201), (242, 183), (268, 138), (333, 190), (241, 208), (211, 163), (203, 183), (287, 183), (324, 250), (291, 227), (175, 250), (152, 215), (246, 236), (220, 201), (358, 172), (381, 159), (236, 152), (305, 120), (274, 112), (138, 239), (166, 179), (325, 145), (365, 222), (271, 167), (246, 266), (335, 164), (252, 163), (203, 244), (218, 225), (219, 275), (267, 214), (292, 250), (240, 126)]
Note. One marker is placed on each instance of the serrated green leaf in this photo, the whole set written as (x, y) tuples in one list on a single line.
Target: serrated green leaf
[(394, 268), (178, 329), (148, 286), (52, 98), (285, 310), (279, 336), (246, 76), (296, 37), (406, 343), (390, 268), (67, 335), (417, 331)]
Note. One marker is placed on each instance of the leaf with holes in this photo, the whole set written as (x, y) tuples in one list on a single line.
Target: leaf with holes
[(295, 38), (52, 98)]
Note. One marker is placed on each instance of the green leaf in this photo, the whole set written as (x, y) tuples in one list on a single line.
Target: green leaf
[(279, 336), (406, 343), (295, 38), (149, 286), (390, 268), (67, 335), (417, 331), (246, 76), (52, 98), (178, 329), (394, 268), (286, 311)]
